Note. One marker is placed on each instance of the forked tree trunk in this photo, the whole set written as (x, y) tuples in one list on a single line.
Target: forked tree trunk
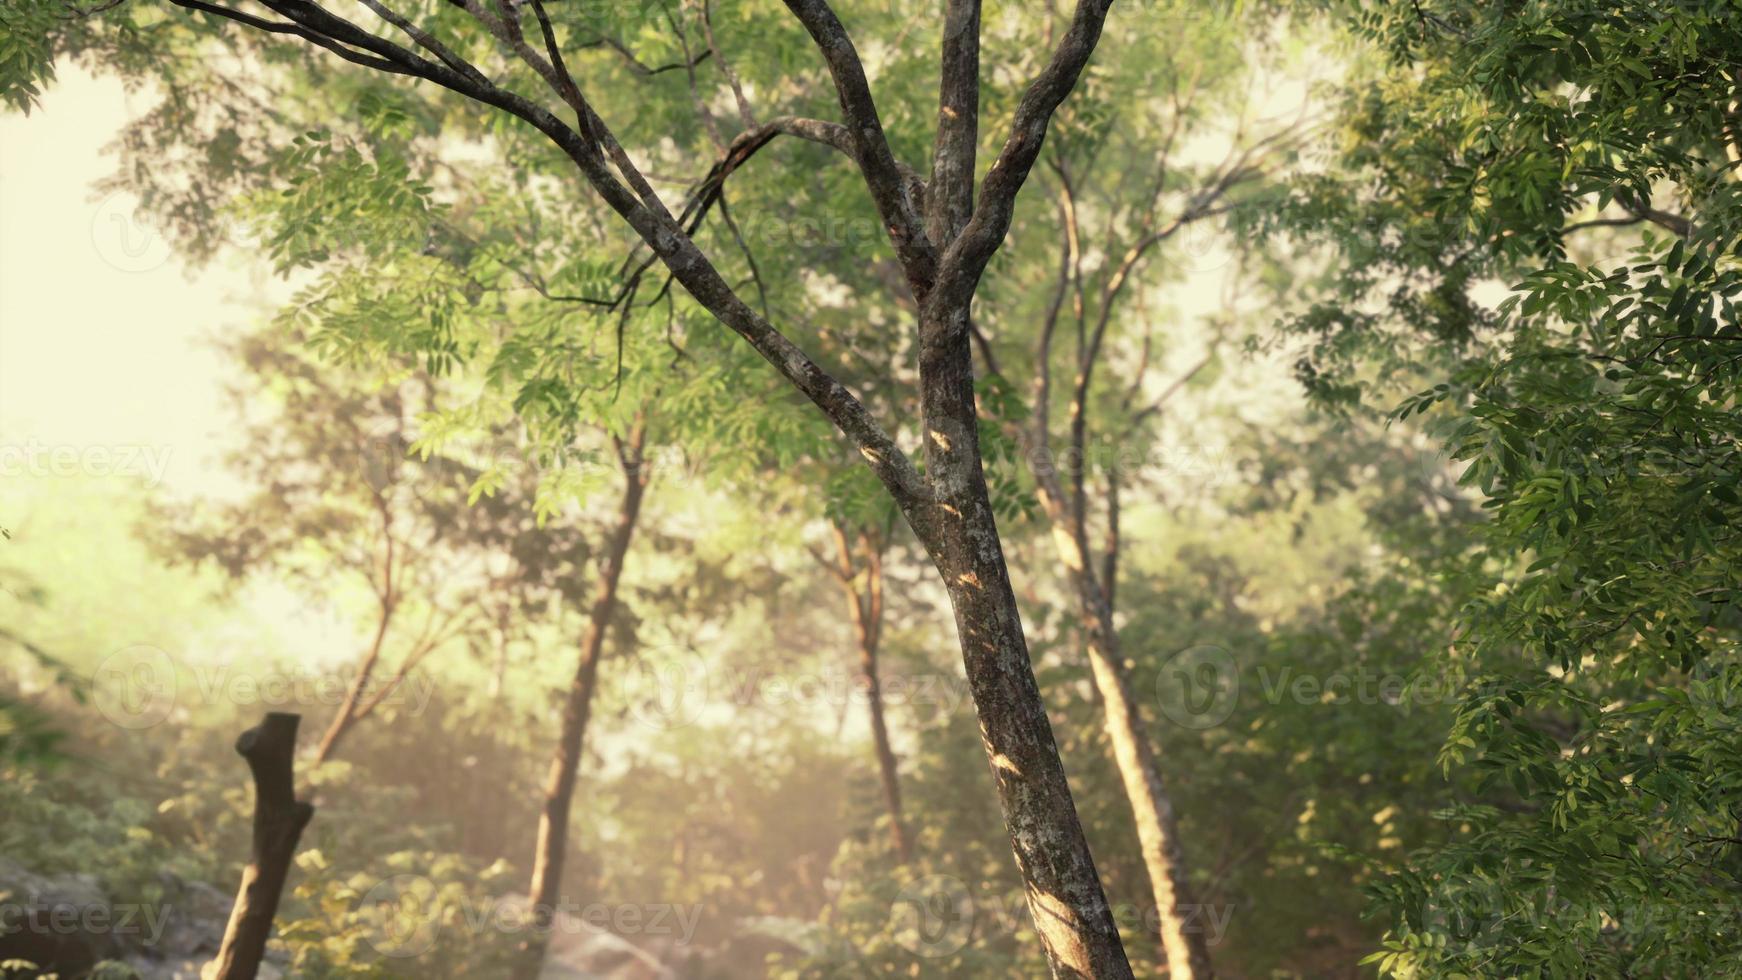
[(559, 789), (866, 612), (279, 819)]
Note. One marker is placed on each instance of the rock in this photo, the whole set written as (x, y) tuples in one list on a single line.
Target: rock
[(61, 923), (194, 920), (66, 924), (196, 914), (579, 950)]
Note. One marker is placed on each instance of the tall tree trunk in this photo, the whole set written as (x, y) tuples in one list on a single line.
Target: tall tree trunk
[(1065, 898), (559, 789), (1184, 943), (867, 614), (1183, 940), (886, 766)]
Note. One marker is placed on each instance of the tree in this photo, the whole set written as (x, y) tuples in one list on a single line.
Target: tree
[(1586, 153), (336, 495), (279, 819), (944, 232), (559, 789), (1134, 231), (860, 556), (341, 487)]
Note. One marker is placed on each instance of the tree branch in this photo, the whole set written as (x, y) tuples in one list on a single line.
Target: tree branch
[(965, 259), (745, 116), (657, 228), (883, 176), (952, 198)]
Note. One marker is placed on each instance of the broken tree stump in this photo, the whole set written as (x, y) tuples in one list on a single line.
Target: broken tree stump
[(279, 818)]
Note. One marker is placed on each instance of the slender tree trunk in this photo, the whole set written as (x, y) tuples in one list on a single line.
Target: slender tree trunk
[(867, 615), (1184, 944), (341, 723), (1065, 897), (1183, 941), (279, 819), (553, 819), (886, 766), (389, 599)]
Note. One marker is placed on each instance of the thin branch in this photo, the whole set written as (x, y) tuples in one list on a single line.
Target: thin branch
[(705, 114), (425, 40), (1042, 410), (966, 258), (889, 191), (745, 116), (636, 64), (744, 246)]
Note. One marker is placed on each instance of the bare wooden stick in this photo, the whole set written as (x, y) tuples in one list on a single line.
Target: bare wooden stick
[(279, 818)]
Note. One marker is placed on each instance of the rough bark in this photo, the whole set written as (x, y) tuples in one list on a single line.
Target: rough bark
[(551, 848), (279, 818), (1065, 898)]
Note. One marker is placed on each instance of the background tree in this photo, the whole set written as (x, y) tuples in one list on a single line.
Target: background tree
[(1587, 155), (335, 490), (1117, 169)]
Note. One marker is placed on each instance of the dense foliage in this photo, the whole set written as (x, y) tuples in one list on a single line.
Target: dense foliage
[(1586, 155), (1436, 650)]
